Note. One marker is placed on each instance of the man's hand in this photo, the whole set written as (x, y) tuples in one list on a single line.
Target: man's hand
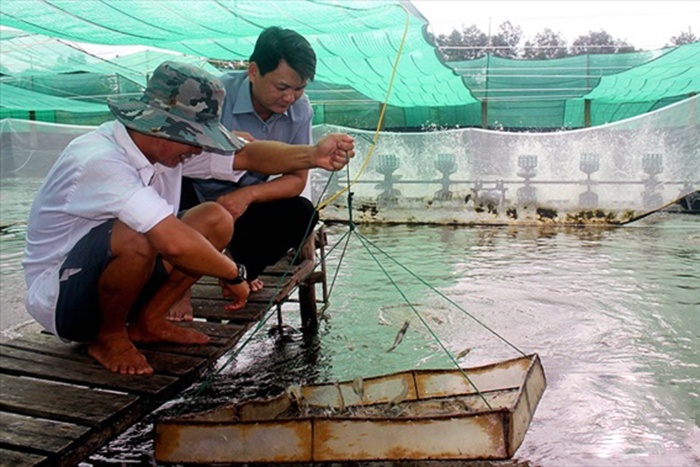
[(237, 201), (238, 293), (334, 151), (274, 157), (245, 135)]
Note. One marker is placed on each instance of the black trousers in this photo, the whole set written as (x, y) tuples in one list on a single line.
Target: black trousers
[(266, 231)]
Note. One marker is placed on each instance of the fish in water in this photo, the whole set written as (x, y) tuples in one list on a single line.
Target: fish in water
[(399, 336), (401, 395), (463, 353), (358, 387)]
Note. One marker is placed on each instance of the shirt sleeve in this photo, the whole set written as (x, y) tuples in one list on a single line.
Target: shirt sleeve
[(211, 165), (144, 210), (119, 194)]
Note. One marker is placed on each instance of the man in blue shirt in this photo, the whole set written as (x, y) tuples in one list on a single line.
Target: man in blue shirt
[(268, 103)]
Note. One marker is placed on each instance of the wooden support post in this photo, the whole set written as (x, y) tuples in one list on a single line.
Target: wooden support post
[(307, 287)]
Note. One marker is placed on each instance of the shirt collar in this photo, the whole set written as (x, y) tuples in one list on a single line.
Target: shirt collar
[(134, 155), (244, 102)]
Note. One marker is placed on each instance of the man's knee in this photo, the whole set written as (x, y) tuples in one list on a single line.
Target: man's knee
[(211, 220)]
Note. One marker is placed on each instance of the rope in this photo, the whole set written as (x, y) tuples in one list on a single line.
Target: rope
[(233, 353), (381, 114), (425, 324), (366, 243), (449, 300)]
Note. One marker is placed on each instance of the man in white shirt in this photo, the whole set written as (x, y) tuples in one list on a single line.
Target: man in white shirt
[(106, 254)]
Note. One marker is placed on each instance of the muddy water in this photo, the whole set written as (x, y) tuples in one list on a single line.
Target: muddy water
[(614, 314)]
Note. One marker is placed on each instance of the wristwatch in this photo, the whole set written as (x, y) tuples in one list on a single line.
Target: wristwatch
[(239, 278)]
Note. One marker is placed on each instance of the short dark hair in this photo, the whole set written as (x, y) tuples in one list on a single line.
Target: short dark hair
[(276, 44)]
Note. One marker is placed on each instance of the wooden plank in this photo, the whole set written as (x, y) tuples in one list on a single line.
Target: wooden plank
[(168, 353), (282, 266), (47, 344), (26, 363), (213, 293), (64, 444), (225, 330), (44, 436), (278, 289), (53, 410), (13, 458), (300, 273), (67, 403), (211, 310)]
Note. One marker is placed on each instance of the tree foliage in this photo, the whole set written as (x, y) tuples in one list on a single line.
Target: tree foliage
[(547, 44), (599, 42), (505, 42), (683, 38), (471, 43), (468, 44)]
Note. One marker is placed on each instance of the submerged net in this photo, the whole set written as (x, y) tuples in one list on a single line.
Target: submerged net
[(607, 174)]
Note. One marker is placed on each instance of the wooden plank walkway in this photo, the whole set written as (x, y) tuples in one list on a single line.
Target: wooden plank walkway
[(58, 406)]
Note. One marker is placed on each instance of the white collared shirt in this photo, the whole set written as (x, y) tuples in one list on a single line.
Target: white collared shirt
[(101, 175)]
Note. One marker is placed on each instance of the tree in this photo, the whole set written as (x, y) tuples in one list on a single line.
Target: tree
[(476, 40), (505, 42), (683, 38), (547, 44), (600, 42), (469, 44)]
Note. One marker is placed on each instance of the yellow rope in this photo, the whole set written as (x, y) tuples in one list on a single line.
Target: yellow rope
[(381, 117)]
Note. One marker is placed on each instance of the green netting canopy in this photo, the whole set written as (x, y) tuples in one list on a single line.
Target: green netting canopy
[(533, 93), (667, 79), (356, 42)]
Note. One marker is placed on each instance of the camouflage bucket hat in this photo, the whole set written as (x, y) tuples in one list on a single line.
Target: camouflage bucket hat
[(181, 103)]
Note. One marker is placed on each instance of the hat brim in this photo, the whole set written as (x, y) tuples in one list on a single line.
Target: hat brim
[(144, 118)]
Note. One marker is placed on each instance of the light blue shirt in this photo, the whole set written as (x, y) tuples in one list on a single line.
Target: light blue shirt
[(293, 126)]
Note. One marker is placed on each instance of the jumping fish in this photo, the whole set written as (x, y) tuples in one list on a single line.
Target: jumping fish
[(399, 335), (294, 393), (341, 399), (358, 387), (463, 353), (400, 396)]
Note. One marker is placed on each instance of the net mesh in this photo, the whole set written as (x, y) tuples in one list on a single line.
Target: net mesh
[(356, 43), (607, 174)]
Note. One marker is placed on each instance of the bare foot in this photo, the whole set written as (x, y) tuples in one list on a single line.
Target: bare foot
[(255, 285), (167, 332), (182, 309), (118, 354)]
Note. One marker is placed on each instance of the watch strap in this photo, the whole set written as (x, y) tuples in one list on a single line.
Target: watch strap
[(241, 277)]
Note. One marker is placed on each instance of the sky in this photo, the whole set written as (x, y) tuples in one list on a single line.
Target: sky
[(645, 24)]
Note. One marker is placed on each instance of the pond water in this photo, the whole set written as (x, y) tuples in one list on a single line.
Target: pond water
[(614, 313)]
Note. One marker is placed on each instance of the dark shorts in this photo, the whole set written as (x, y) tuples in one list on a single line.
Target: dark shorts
[(78, 314)]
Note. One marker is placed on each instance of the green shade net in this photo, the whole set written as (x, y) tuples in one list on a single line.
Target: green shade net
[(534, 93), (670, 78), (356, 42), (23, 104)]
